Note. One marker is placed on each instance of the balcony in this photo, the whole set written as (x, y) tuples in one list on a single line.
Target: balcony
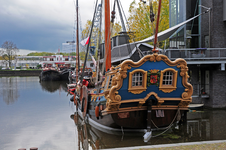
[(198, 55)]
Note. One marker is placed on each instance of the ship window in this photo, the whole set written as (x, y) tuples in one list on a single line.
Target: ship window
[(137, 81), (168, 80)]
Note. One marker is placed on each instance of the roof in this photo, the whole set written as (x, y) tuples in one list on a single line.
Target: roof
[(123, 52)]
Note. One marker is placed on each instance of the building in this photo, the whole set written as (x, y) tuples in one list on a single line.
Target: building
[(55, 61), (202, 43), (69, 46), (45, 61)]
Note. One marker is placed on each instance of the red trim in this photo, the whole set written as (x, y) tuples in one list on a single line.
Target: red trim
[(59, 62)]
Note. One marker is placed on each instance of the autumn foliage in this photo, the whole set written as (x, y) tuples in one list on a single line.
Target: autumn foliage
[(139, 20)]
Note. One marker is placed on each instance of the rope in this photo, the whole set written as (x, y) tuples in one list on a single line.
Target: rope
[(167, 128)]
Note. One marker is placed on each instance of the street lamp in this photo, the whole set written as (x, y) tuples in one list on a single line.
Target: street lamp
[(207, 11)]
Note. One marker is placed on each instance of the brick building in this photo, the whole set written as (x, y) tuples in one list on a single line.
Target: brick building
[(202, 43)]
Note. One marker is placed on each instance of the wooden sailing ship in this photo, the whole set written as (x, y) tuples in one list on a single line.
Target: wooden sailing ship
[(136, 96)]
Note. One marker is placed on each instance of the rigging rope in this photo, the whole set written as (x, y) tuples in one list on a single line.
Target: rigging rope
[(167, 128)]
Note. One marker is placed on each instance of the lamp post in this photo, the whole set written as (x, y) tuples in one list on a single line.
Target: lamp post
[(207, 11)]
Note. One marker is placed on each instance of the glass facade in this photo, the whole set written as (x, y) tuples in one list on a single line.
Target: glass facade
[(188, 35)]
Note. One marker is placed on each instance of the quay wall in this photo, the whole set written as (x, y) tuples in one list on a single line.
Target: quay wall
[(20, 73)]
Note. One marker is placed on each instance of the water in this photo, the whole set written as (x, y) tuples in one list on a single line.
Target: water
[(34, 114)]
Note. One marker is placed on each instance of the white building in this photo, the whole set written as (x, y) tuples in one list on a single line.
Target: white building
[(45, 61)]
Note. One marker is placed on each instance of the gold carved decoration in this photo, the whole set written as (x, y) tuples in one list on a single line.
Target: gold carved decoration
[(160, 100), (184, 103), (137, 89), (113, 101)]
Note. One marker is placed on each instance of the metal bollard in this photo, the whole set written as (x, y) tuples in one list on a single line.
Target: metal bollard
[(34, 148)]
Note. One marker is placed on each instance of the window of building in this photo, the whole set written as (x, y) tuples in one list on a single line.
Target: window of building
[(168, 80), (137, 81)]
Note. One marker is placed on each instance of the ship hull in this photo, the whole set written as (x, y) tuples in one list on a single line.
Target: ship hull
[(136, 121)]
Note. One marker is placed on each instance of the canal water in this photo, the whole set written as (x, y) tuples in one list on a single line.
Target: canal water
[(34, 114)]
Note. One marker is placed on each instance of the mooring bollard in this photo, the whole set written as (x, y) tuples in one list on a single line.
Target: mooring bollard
[(34, 148), (22, 149)]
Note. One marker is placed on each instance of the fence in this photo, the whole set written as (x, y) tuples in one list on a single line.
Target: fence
[(197, 54)]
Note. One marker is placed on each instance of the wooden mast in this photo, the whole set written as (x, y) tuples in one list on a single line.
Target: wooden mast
[(77, 44), (157, 26), (107, 35)]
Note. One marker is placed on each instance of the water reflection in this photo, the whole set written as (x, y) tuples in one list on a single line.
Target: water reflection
[(53, 86), (9, 90), (33, 115), (10, 87), (201, 125)]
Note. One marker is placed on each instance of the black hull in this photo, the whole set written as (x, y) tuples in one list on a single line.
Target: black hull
[(54, 75), (135, 120), (50, 75), (65, 75)]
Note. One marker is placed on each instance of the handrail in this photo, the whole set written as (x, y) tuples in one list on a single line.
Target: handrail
[(197, 54)]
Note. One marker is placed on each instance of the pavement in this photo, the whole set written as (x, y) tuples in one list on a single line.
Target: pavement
[(207, 145)]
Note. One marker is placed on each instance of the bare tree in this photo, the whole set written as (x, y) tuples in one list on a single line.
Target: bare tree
[(8, 52)]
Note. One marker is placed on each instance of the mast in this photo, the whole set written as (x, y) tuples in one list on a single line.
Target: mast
[(77, 43), (121, 18), (107, 35), (157, 26), (98, 53), (87, 48)]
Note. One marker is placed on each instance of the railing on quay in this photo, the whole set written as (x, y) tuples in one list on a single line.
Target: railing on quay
[(200, 54)]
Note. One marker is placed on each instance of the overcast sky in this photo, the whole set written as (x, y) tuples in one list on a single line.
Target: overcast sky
[(43, 25)]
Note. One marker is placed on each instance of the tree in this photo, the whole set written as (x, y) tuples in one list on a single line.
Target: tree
[(8, 52), (40, 54), (116, 29), (139, 20)]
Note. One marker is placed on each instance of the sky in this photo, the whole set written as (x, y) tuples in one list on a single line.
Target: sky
[(43, 25)]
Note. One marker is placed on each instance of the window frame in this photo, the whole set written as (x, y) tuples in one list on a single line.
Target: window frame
[(173, 86), (137, 89)]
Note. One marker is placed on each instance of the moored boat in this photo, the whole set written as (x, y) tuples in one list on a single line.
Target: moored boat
[(152, 93), (49, 75), (52, 74)]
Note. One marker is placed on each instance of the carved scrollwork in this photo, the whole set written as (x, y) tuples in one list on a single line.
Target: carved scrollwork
[(184, 103), (117, 98), (184, 95), (113, 101), (160, 100), (137, 91), (113, 107)]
